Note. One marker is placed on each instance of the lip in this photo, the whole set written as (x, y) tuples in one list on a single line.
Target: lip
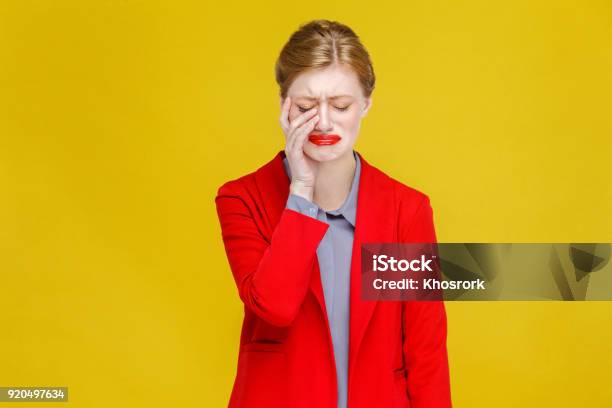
[(324, 140)]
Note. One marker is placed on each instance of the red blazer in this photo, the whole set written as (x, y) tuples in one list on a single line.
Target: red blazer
[(397, 350)]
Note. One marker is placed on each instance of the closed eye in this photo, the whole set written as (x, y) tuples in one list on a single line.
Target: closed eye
[(303, 109)]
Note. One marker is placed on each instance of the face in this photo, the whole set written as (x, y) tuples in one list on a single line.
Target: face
[(337, 93)]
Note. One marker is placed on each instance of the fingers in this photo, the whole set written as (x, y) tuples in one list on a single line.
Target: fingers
[(295, 133), (304, 131), (300, 120), (287, 126), (296, 142), (296, 124), (297, 130)]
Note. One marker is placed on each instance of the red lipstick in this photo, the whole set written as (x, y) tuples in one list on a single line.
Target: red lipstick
[(324, 140)]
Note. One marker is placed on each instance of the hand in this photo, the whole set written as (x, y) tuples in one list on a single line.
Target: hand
[(303, 168)]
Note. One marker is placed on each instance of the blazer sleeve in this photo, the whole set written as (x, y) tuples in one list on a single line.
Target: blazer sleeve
[(424, 325), (272, 275)]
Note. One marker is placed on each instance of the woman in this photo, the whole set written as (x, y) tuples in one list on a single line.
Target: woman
[(293, 231)]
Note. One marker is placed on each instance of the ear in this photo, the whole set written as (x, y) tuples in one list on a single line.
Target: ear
[(367, 106)]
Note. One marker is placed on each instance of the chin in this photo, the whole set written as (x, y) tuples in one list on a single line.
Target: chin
[(326, 153)]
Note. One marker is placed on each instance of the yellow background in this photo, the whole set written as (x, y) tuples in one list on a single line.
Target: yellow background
[(119, 120)]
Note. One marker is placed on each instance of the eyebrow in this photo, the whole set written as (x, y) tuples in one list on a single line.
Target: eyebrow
[(312, 98)]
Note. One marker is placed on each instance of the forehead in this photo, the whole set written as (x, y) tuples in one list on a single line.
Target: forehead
[(326, 82)]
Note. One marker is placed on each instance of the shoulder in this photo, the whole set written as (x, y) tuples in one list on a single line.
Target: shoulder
[(404, 195), (411, 200), (237, 186), (247, 183), (412, 208)]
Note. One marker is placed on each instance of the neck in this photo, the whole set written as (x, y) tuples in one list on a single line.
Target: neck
[(334, 180)]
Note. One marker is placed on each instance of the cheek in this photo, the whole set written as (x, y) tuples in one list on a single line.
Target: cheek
[(349, 120)]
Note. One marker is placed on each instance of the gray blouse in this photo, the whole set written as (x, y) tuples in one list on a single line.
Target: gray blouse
[(334, 254)]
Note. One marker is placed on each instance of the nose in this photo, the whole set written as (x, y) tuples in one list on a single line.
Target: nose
[(324, 124)]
